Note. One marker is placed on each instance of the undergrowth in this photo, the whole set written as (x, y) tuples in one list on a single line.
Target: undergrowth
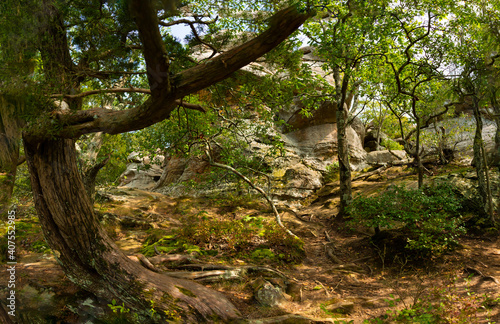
[(250, 238), (429, 219), (442, 303)]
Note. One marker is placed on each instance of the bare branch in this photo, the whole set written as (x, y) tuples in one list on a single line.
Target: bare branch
[(188, 22), (93, 92)]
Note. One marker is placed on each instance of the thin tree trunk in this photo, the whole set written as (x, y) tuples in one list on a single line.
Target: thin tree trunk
[(418, 160), (344, 165), (88, 256), (496, 117), (343, 145), (89, 165), (90, 176), (481, 163)]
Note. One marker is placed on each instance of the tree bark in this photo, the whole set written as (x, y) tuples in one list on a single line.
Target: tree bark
[(481, 163), (344, 165), (343, 144), (417, 157), (10, 137), (88, 256), (496, 117)]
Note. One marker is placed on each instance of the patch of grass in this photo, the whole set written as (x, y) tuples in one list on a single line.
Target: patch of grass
[(29, 236), (332, 172)]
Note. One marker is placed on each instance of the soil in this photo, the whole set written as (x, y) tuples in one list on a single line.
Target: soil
[(359, 283)]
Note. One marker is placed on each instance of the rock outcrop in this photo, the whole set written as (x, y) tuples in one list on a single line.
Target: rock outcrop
[(458, 137), (141, 172), (308, 146)]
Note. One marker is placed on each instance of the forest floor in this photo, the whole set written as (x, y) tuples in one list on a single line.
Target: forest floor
[(343, 277)]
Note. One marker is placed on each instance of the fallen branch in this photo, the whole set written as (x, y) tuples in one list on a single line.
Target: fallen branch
[(146, 263), (245, 269), (173, 258), (326, 290), (476, 272), (365, 176), (210, 276), (329, 252)]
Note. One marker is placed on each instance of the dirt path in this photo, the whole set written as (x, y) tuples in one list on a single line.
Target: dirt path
[(343, 277)]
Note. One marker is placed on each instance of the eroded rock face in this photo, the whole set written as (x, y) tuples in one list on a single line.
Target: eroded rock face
[(324, 114), (296, 181), (297, 172), (359, 128), (370, 140), (320, 143)]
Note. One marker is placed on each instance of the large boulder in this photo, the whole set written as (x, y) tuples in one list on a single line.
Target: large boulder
[(359, 128), (142, 172), (296, 181), (385, 157), (467, 186), (459, 136)]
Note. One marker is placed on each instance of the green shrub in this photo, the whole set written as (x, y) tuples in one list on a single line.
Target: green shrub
[(429, 218), (391, 145), (263, 254), (332, 172), (229, 235)]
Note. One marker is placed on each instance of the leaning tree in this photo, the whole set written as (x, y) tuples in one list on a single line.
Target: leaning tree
[(75, 44)]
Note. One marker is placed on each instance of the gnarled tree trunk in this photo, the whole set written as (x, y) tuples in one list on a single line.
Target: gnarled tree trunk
[(88, 256)]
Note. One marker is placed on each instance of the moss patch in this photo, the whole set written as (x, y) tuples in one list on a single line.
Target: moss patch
[(186, 291)]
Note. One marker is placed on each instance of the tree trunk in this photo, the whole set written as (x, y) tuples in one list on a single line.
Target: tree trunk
[(90, 175), (496, 155), (481, 163), (418, 159), (88, 256), (344, 165), (496, 117), (341, 88), (89, 165), (10, 137)]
